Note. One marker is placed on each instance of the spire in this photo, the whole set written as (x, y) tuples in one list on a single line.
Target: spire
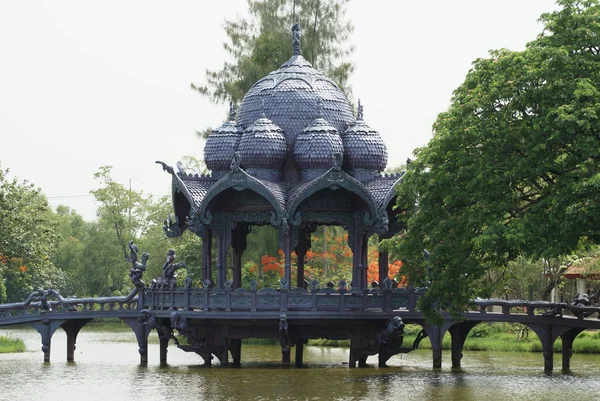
[(231, 111), (359, 115), (296, 43)]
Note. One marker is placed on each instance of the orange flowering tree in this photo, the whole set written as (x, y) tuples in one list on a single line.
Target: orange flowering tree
[(329, 259)]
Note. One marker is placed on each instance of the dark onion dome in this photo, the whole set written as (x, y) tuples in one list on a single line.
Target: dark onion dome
[(221, 145), (263, 149), (290, 97), (314, 148), (365, 153)]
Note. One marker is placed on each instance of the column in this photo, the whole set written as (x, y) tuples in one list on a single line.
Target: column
[(300, 253), (383, 266), (238, 247), (207, 255), (222, 261), (163, 344)]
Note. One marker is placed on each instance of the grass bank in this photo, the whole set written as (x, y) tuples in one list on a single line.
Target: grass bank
[(492, 337), (8, 344)]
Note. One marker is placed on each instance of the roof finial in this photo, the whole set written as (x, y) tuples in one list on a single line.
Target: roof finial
[(231, 111), (296, 43), (359, 115)]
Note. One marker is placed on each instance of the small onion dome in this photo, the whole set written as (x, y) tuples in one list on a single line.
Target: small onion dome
[(263, 149), (365, 153), (221, 145), (314, 148)]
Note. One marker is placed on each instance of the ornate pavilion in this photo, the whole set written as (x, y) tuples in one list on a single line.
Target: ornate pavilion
[(293, 156)]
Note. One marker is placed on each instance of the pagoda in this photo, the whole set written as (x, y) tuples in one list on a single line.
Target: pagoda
[(294, 156)]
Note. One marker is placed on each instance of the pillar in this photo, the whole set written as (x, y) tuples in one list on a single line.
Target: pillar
[(207, 256), (567, 346), (581, 286), (287, 252), (358, 265), (236, 351), (300, 254), (285, 356), (383, 267), (46, 340), (547, 343), (365, 264), (299, 353), (46, 328), (72, 328), (163, 344), (435, 335), (238, 245), (222, 261), (141, 332)]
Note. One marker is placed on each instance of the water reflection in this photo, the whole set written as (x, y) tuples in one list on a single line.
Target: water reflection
[(107, 367)]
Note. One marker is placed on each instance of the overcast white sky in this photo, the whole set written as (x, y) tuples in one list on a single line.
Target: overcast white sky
[(85, 84)]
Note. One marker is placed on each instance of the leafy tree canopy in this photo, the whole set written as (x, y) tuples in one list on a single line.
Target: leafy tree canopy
[(27, 236), (261, 43), (513, 167)]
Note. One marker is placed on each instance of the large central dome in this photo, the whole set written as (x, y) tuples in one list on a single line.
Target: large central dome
[(293, 96)]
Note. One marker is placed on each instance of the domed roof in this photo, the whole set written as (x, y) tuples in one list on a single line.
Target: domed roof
[(290, 97), (365, 153), (221, 145), (263, 149), (315, 146)]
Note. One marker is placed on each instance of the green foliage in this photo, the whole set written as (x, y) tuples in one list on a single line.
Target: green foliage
[(261, 43), (513, 168), (27, 237)]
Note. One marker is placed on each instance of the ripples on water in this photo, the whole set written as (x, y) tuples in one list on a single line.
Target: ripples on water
[(106, 368)]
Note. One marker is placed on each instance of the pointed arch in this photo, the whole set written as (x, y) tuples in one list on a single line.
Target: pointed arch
[(240, 180), (333, 178)]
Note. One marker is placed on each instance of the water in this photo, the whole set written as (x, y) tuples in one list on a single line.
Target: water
[(107, 368)]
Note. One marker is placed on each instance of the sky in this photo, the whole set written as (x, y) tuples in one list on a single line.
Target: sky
[(85, 84)]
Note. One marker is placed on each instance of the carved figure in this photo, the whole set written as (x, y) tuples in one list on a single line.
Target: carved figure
[(188, 282), (359, 114), (393, 333), (171, 227), (296, 43), (137, 268), (43, 297), (169, 268), (284, 335)]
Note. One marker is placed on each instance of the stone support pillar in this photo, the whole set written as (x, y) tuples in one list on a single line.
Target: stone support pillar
[(299, 353), (164, 345)]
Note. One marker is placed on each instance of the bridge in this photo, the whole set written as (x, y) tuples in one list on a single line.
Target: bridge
[(215, 320)]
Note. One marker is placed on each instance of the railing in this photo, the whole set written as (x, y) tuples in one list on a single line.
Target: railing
[(282, 299), (314, 299), (38, 303), (531, 308)]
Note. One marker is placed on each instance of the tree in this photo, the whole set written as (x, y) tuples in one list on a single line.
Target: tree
[(261, 43), (513, 168), (27, 237)]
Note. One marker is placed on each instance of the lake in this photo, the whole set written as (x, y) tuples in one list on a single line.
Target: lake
[(107, 367)]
